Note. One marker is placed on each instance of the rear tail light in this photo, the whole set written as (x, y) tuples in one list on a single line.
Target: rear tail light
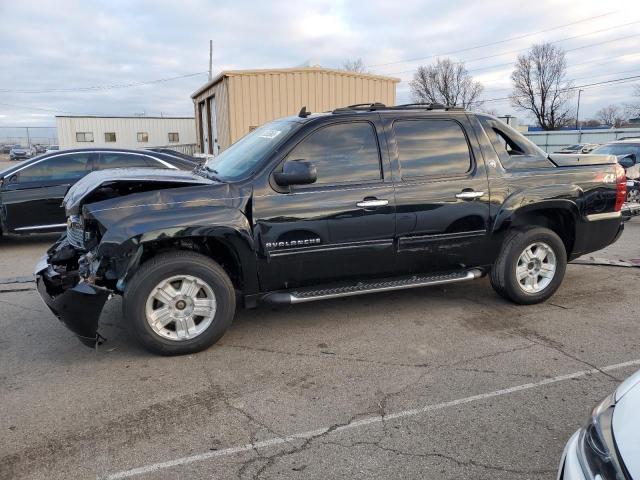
[(621, 187)]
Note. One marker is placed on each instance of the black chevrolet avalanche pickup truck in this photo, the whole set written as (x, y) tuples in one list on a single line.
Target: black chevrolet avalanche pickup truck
[(363, 199)]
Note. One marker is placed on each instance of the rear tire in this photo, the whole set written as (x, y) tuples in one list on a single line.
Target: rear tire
[(530, 266), (179, 303)]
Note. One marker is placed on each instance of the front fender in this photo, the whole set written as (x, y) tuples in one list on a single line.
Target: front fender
[(225, 224)]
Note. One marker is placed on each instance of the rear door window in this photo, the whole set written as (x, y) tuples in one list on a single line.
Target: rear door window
[(123, 160), (341, 153), (431, 147)]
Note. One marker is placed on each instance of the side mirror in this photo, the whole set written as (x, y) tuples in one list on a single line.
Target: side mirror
[(627, 161), (296, 172)]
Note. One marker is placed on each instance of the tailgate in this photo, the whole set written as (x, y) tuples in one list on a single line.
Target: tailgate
[(579, 159)]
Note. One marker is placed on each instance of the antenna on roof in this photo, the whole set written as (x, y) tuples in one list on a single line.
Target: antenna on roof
[(304, 112)]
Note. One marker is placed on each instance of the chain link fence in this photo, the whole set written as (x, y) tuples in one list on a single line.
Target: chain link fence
[(28, 136)]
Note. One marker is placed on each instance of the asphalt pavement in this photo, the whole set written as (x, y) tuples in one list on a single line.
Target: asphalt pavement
[(444, 382)]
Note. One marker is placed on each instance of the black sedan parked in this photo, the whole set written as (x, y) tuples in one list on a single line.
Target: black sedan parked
[(31, 192)]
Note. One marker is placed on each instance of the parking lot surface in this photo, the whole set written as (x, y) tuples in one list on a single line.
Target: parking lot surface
[(443, 382)]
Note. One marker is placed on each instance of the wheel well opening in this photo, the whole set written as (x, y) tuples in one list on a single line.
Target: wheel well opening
[(211, 247), (561, 222)]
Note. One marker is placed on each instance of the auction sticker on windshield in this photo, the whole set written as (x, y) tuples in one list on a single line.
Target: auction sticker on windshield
[(270, 134)]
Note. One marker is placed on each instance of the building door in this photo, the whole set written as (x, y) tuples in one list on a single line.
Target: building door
[(204, 128), (213, 126)]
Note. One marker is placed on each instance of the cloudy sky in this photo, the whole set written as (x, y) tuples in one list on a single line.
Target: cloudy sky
[(84, 57)]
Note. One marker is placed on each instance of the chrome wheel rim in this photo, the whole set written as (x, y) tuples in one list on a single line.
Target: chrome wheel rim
[(536, 267), (180, 307)]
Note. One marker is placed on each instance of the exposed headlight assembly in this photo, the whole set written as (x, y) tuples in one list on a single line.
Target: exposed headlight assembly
[(596, 446)]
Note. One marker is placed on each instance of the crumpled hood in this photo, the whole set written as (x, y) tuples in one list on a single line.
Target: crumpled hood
[(95, 180)]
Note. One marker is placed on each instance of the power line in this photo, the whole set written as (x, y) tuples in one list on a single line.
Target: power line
[(572, 79), (510, 64), (35, 108), (587, 85), (492, 43), (103, 87), (555, 41)]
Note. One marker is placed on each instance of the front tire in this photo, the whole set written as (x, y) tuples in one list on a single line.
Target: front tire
[(179, 303), (530, 266)]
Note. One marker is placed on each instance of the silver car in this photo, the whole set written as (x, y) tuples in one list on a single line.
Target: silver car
[(608, 447)]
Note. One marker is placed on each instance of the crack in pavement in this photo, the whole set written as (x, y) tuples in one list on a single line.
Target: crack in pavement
[(251, 422), (21, 306), (310, 436), (462, 463), (547, 342), (271, 460), (323, 355)]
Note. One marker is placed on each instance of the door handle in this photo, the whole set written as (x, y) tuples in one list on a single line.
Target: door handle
[(469, 195), (373, 202)]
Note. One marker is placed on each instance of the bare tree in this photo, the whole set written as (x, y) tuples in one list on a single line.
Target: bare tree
[(611, 116), (540, 85), (356, 66), (633, 109), (445, 82)]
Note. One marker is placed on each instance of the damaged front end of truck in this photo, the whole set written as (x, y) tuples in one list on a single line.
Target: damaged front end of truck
[(72, 284), (85, 268)]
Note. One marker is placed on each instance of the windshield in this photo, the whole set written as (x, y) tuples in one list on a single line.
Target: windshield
[(573, 147), (617, 149), (242, 157)]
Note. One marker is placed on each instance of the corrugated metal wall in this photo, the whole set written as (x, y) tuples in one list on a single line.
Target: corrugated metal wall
[(258, 96), (126, 130), (555, 140), (221, 92)]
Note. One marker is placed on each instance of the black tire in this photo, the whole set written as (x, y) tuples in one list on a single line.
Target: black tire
[(167, 265), (503, 274)]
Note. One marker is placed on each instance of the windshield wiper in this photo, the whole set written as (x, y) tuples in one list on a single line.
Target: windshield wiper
[(212, 173), (204, 171)]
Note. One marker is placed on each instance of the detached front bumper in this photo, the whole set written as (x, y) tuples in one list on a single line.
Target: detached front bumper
[(76, 304)]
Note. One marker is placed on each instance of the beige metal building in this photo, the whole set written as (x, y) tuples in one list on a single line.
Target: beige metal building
[(124, 132), (237, 101)]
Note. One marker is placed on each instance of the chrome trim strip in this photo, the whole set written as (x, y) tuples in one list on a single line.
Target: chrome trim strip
[(166, 164), (331, 247), (63, 152), (471, 274), (443, 236), (594, 217), (41, 227)]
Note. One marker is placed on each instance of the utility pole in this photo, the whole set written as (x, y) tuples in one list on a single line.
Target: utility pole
[(210, 59), (578, 110)]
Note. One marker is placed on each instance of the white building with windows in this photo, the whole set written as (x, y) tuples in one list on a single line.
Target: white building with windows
[(124, 132)]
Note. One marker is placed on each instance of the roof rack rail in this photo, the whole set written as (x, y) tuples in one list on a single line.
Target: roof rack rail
[(361, 106), (425, 106), (370, 107)]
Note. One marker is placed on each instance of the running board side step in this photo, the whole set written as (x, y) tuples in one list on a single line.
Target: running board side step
[(344, 289)]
